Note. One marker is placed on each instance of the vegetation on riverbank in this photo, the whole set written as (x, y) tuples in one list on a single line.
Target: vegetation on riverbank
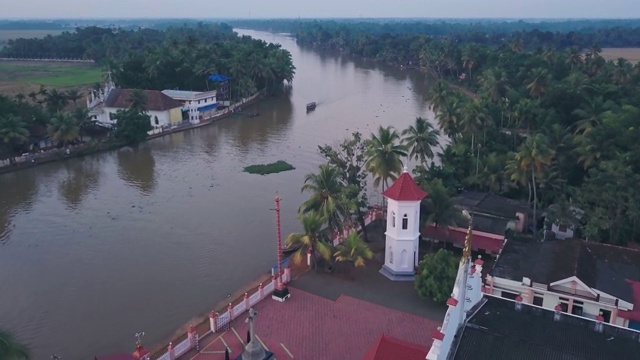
[(271, 168), (176, 57), (544, 124)]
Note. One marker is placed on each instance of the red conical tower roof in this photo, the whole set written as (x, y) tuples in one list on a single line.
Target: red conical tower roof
[(140, 352), (405, 189)]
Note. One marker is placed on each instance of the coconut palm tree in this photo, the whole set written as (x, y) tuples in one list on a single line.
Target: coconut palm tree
[(309, 240), (63, 128), (591, 114), (474, 119), (83, 120), (354, 250), (137, 101), (534, 156), (326, 196), (494, 83), (540, 79), (420, 138), (439, 95), (439, 208), (574, 58), (11, 349), (383, 156), (12, 132)]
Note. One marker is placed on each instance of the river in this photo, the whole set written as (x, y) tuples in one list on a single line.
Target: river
[(95, 249)]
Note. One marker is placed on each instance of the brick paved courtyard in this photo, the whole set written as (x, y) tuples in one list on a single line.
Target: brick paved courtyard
[(312, 327)]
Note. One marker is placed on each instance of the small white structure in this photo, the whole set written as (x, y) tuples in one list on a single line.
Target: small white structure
[(199, 105), (403, 228)]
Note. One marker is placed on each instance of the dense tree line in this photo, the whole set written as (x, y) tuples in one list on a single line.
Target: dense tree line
[(175, 58), (401, 42), (548, 125)]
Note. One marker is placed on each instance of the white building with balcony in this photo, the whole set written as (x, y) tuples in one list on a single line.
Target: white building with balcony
[(199, 105), (573, 276)]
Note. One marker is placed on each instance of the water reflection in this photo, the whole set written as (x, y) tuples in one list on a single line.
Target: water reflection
[(82, 177), (16, 193), (136, 166), (272, 123)]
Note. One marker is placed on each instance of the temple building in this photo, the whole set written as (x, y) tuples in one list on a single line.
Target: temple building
[(582, 278), (482, 326), (103, 104)]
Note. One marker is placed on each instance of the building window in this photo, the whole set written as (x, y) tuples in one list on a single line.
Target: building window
[(538, 299), (577, 308), (405, 222), (155, 119), (390, 255), (393, 219), (508, 295), (606, 314)]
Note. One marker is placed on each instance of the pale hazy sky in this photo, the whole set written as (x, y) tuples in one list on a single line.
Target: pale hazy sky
[(319, 8)]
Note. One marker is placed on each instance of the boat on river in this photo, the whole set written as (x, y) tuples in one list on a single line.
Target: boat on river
[(311, 106)]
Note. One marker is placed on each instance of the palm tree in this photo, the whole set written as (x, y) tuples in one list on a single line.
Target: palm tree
[(494, 83), (354, 250), (13, 131), (309, 239), (73, 95), (449, 115), (439, 208), (439, 95), (420, 138), (326, 196), (474, 120), (622, 71), (574, 58), (383, 156), (83, 120), (137, 101), (533, 156), (591, 114), (540, 79), (11, 349), (20, 97), (63, 128)]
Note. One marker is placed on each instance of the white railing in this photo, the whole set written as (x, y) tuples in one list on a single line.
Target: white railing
[(183, 347), (220, 320)]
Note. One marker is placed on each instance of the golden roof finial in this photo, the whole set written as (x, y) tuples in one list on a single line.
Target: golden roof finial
[(466, 251)]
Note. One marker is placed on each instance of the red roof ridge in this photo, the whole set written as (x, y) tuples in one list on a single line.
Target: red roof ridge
[(405, 189)]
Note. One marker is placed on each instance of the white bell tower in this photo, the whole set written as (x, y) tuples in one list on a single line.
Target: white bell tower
[(403, 228)]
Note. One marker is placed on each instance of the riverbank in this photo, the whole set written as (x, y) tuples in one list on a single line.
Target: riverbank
[(27, 161)]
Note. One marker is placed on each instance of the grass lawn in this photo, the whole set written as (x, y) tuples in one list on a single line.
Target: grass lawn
[(49, 74), (273, 168)]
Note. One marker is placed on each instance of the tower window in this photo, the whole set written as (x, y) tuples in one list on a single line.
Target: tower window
[(393, 219), (405, 222)]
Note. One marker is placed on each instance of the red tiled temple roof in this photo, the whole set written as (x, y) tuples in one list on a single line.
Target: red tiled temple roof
[(390, 348), (456, 236), (405, 189), (633, 315)]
